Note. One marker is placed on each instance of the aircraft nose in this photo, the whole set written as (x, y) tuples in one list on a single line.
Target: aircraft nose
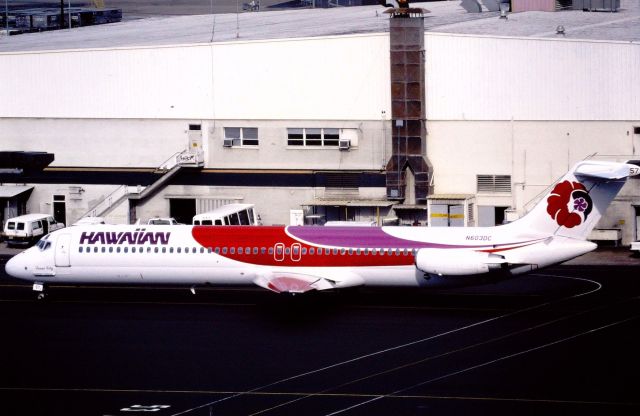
[(15, 267)]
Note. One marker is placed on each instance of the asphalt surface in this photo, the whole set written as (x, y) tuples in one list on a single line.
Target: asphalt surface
[(562, 341)]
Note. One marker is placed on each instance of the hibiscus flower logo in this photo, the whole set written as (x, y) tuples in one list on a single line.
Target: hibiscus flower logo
[(569, 204)]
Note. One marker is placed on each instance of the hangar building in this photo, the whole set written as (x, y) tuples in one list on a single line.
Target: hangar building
[(297, 110)]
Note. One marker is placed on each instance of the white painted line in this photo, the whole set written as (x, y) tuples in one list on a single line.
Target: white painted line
[(398, 347), (506, 357)]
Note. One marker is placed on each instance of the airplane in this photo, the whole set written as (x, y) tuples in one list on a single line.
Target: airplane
[(298, 259)]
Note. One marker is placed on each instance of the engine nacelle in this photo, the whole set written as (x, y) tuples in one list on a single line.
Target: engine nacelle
[(455, 262)]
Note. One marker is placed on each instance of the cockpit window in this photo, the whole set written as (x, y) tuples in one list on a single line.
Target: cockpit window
[(43, 244)]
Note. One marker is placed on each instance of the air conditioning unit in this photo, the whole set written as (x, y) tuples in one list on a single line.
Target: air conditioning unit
[(344, 144), (227, 143)]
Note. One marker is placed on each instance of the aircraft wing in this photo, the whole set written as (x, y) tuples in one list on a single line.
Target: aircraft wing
[(297, 282)]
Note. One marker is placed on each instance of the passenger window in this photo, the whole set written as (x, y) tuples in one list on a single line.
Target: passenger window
[(196, 222), (278, 250), (335, 251), (224, 250), (103, 249), (342, 251), (148, 249), (155, 249), (218, 222), (193, 250), (312, 250), (255, 250), (110, 249), (232, 250), (79, 248), (304, 250), (179, 250), (239, 250), (117, 249), (263, 250), (20, 226), (350, 251), (217, 250), (170, 249), (126, 249), (287, 251), (95, 249), (271, 250), (164, 249), (186, 250), (202, 250)]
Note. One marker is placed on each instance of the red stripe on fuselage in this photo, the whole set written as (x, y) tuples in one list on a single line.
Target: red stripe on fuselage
[(270, 236)]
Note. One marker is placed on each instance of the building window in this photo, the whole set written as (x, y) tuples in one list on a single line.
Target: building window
[(494, 183), (195, 127), (313, 137), (240, 136)]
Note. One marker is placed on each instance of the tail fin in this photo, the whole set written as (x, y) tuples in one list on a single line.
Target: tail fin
[(576, 203)]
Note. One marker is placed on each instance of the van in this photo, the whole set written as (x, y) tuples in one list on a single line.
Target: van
[(230, 214), (28, 229)]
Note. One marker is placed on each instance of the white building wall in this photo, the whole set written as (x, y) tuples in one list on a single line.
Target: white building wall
[(335, 78), (97, 142), (471, 77), (160, 82)]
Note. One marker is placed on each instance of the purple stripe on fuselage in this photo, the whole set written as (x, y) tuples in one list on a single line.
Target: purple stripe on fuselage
[(361, 237)]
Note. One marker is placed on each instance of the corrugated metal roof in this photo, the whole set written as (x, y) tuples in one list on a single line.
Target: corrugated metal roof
[(349, 203), (9, 191), (448, 17), (451, 196)]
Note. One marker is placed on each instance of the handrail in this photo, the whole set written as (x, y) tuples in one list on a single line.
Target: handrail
[(109, 200), (173, 158)]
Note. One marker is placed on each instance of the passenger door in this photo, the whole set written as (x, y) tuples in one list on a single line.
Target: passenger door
[(63, 251)]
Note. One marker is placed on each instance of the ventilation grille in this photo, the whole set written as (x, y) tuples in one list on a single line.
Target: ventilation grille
[(494, 183), (343, 180)]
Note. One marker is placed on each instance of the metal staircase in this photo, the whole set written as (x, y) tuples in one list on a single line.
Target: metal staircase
[(168, 169)]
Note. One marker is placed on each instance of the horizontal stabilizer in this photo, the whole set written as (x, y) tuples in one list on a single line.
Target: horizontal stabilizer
[(605, 170)]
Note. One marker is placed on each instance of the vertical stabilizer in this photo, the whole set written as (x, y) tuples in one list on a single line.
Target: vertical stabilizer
[(576, 203)]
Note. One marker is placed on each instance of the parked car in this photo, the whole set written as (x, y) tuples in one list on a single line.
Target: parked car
[(162, 221), (90, 221), (28, 229)]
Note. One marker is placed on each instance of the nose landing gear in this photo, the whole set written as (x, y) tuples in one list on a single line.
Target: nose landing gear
[(39, 288)]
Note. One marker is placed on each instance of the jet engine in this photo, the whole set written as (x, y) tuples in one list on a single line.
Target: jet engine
[(455, 262)]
